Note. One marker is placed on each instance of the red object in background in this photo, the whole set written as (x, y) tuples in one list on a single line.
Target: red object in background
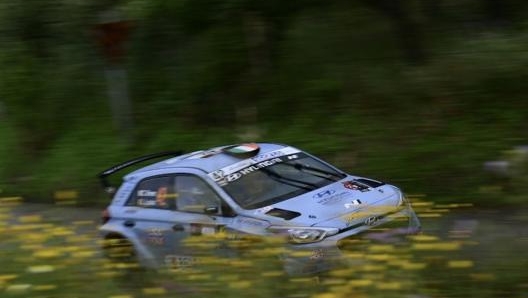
[(105, 216), (111, 37)]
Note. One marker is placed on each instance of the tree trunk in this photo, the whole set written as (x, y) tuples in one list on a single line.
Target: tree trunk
[(432, 9), (407, 30), (496, 13), (111, 34), (256, 29), (120, 106)]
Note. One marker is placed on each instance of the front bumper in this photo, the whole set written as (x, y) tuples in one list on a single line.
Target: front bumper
[(305, 259)]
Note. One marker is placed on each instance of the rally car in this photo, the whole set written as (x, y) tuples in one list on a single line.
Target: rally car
[(262, 190)]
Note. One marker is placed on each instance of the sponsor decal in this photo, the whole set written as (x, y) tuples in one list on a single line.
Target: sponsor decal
[(349, 219), (235, 171), (317, 254), (180, 262), (332, 199), (249, 222), (208, 230), (199, 229), (324, 193), (238, 166), (352, 204), (231, 234), (372, 220), (217, 175), (155, 236), (354, 185), (146, 202), (255, 167), (146, 193), (259, 165), (265, 156)]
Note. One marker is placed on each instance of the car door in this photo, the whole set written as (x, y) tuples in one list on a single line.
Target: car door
[(174, 216), (149, 213), (197, 218)]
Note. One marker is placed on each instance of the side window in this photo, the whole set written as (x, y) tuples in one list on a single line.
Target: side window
[(195, 195), (157, 192)]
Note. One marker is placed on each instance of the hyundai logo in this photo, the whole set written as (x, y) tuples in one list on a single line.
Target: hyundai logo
[(370, 221), (324, 193)]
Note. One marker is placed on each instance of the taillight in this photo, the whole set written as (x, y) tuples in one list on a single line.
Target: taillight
[(105, 216)]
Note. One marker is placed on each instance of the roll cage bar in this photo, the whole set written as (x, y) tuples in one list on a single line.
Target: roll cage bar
[(103, 176)]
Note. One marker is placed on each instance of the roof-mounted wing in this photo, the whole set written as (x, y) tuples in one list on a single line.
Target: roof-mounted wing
[(103, 176)]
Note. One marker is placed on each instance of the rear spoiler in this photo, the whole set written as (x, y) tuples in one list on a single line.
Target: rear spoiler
[(103, 176)]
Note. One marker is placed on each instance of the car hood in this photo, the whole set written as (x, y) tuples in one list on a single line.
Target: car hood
[(338, 205)]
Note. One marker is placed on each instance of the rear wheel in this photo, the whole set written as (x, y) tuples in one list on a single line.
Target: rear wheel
[(123, 261), (119, 250)]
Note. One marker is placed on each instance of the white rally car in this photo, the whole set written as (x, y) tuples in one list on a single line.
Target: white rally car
[(257, 189)]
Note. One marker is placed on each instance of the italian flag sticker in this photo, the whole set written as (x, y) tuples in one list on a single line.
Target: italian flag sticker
[(243, 148)]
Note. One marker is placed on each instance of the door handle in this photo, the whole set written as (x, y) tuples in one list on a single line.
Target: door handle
[(129, 223), (178, 228)]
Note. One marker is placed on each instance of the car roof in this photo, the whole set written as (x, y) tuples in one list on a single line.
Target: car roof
[(208, 160)]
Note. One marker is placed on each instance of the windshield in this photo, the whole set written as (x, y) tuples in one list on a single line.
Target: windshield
[(286, 177)]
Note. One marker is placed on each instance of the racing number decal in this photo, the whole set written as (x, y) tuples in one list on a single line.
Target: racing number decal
[(200, 229), (155, 236)]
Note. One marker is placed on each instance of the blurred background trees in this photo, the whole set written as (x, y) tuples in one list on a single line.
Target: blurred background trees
[(416, 92)]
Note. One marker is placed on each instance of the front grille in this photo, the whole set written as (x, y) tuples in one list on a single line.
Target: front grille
[(393, 231), (364, 222)]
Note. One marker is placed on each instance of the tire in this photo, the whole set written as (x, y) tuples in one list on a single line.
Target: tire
[(118, 249)]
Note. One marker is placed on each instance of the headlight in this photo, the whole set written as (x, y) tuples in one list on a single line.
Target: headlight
[(300, 235), (401, 199)]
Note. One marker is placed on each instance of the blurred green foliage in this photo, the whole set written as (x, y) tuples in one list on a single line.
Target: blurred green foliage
[(418, 93)]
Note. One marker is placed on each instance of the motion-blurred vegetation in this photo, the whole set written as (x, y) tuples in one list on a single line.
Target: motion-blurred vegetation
[(419, 93), (42, 256)]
